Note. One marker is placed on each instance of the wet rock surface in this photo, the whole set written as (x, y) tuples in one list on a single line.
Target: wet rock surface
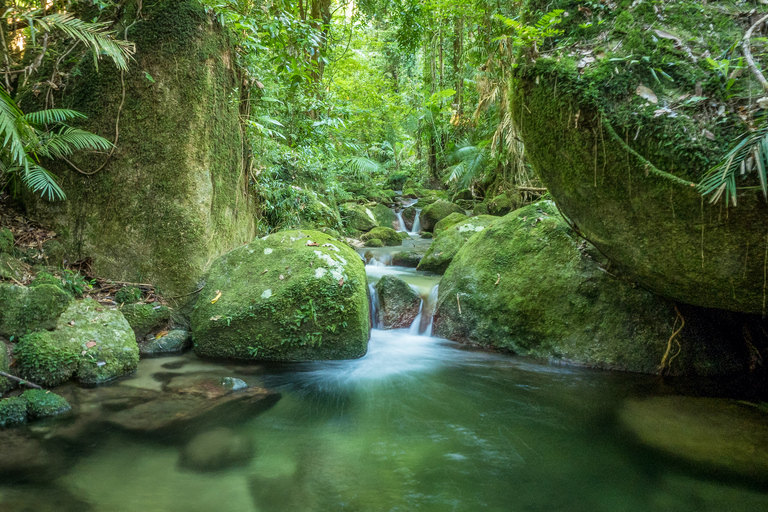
[(398, 303)]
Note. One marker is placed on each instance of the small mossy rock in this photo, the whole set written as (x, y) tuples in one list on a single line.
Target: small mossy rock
[(93, 343), (528, 284), (448, 243), (398, 303), (384, 215), (409, 216), (217, 449), (435, 212), (396, 180), (726, 437), (24, 310), (500, 205), (11, 268), (425, 201), (44, 277), (174, 341), (449, 221), (411, 193), (389, 236), (358, 217), (146, 318), (408, 259), (13, 411), (290, 296), (374, 242), (480, 209), (464, 194), (6, 241), (43, 404), (426, 234), (128, 295)]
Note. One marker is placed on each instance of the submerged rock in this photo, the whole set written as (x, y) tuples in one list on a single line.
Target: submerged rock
[(388, 236), (91, 342), (408, 259), (146, 318), (290, 296), (43, 404), (449, 221), (25, 458), (449, 241), (24, 310), (174, 341), (217, 449), (727, 437), (435, 212), (398, 303), (530, 285)]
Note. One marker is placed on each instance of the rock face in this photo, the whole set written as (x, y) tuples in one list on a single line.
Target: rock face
[(216, 449), (529, 285), (291, 296), (726, 437), (91, 342), (449, 241), (171, 198), (24, 310), (398, 303), (435, 212)]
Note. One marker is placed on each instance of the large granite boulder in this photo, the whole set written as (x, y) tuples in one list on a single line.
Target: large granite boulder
[(449, 241), (290, 296), (398, 303), (91, 342), (530, 285), (435, 212)]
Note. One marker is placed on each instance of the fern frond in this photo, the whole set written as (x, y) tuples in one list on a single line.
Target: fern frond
[(361, 165), (43, 181), (53, 115), (13, 129)]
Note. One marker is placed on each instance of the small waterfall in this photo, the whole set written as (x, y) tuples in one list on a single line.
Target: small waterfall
[(374, 301), (422, 324), (400, 221), (430, 306), (416, 223)]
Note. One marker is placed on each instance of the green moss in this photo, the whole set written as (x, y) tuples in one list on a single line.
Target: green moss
[(388, 236), (435, 212), (145, 318), (5, 384), (449, 221), (397, 180), (358, 217), (408, 259), (449, 241), (464, 194), (291, 296), (384, 215), (500, 205), (11, 268), (44, 360), (45, 278), (24, 310), (128, 295), (13, 411), (374, 242), (6, 240), (42, 404)]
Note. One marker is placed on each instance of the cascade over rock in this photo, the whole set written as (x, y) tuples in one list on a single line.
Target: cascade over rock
[(528, 284), (398, 303), (290, 296), (173, 196)]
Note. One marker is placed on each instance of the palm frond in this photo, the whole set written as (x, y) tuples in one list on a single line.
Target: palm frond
[(13, 129), (68, 140), (43, 181), (53, 115), (362, 166)]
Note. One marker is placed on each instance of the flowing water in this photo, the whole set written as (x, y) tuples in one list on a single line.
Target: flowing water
[(419, 423)]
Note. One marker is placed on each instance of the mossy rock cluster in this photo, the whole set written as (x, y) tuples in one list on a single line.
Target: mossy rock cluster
[(388, 236), (173, 196), (449, 241), (529, 285), (290, 296), (32, 404), (25, 310), (398, 303), (92, 343), (620, 152), (449, 221), (435, 212)]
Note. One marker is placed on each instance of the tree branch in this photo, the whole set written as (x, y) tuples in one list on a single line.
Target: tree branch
[(748, 53)]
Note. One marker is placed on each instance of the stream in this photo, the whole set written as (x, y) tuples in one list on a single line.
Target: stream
[(418, 423)]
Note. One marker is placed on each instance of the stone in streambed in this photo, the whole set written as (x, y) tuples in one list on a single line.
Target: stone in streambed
[(290, 296), (43, 404), (384, 215), (450, 241), (25, 458), (172, 342), (13, 411), (398, 303), (146, 318), (408, 259), (435, 212), (358, 217), (217, 449), (388, 236), (374, 242)]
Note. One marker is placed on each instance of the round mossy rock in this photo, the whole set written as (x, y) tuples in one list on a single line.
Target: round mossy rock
[(398, 303), (145, 318), (358, 217), (13, 411), (42, 403), (480, 209), (500, 205), (449, 221), (448, 243), (384, 215), (25, 310), (290, 296), (528, 284), (374, 242), (435, 212), (388, 236)]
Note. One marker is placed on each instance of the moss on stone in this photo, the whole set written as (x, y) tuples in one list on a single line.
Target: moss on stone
[(384, 215), (146, 318), (374, 242), (24, 310), (435, 212), (500, 205), (13, 411), (448, 242), (388, 236), (43, 404), (398, 303), (448, 221), (358, 217), (406, 259), (44, 277), (128, 295), (91, 342), (11, 268), (6, 241), (290, 296), (464, 194), (480, 209), (528, 284)]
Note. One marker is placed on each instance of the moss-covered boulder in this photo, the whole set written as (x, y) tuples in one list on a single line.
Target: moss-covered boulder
[(358, 217), (409, 216), (384, 215), (24, 310), (389, 236), (13, 411), (43, 404), (146, 318), (171, 197), (44, 277), (449, 221), (6, 240), (464, 194), (528, 284), (480, 209), (398, 303), (449, 241), (11, 268), (435, 212), (91, 342), (374, 242), (500, 205), (397, 180), (408, 259), (290, 296)]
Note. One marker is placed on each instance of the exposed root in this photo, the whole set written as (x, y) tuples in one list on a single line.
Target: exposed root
[(666, 361)]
